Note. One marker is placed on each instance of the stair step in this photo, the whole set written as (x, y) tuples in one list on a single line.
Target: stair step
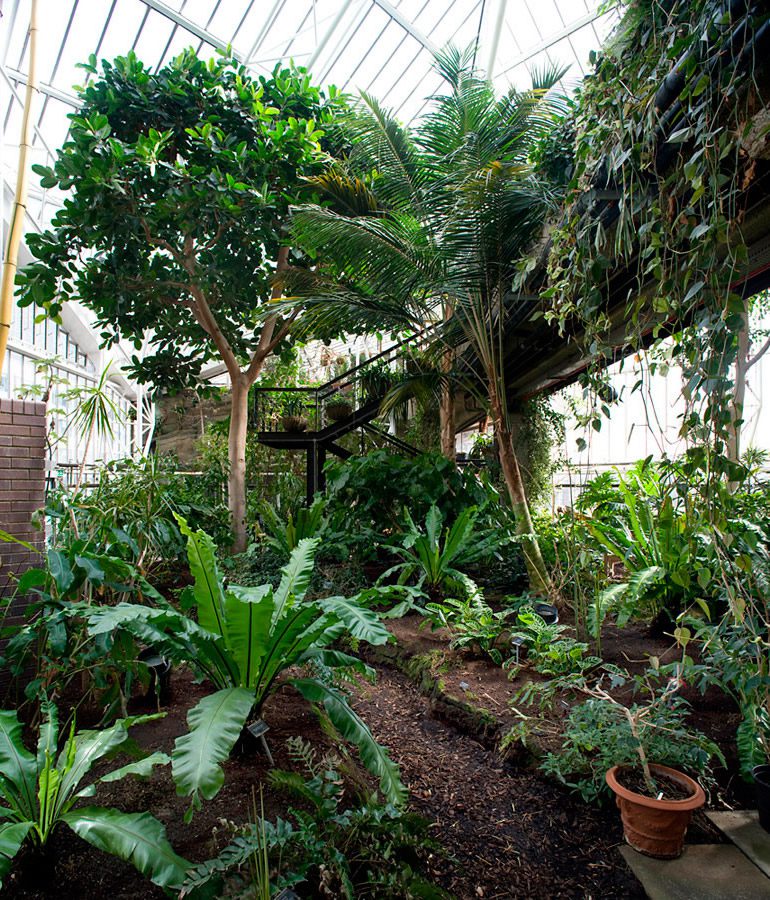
[(743, 828), (702, 872)]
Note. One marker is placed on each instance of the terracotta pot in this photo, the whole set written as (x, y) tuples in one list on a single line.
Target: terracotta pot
[(656, 827)]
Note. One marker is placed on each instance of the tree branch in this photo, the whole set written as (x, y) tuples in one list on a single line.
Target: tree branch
[(267, 339), (758, 355)]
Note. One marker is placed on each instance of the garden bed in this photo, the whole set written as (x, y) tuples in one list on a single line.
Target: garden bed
[(507, 831)]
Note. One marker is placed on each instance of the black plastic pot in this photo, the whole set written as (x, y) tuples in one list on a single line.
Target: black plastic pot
[(160, 676), (547, 612), (762, 781)]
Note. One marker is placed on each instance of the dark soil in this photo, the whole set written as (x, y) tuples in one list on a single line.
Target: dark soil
[(507, 832), (666, 788)]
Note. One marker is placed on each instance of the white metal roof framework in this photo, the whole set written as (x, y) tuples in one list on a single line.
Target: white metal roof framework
[(385, 47)]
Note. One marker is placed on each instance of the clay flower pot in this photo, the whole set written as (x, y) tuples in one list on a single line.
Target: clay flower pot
[(656, 827)]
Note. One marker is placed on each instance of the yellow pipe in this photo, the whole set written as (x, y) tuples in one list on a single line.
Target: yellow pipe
[(10, 263)]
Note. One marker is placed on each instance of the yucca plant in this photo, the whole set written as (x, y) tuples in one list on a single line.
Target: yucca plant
[(41, 792), (244, 640)]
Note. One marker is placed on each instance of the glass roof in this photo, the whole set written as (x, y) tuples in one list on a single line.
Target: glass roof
[(384, 47)]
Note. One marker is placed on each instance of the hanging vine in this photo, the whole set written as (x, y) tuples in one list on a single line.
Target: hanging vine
[(668, 129)]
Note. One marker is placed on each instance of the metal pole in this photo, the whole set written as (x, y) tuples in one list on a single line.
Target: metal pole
[(329, 32), (496, 38)]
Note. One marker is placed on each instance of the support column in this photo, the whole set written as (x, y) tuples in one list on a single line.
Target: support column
[(316, 480)]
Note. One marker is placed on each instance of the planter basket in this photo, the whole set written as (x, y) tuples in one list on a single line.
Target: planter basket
[(656, 827), (338, 410), (294, 424)]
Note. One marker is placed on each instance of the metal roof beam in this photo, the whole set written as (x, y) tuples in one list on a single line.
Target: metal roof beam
[(48, 89), (406, 25), (548, 42), (183, 22)]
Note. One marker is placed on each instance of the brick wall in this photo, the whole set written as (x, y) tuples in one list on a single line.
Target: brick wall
[(22, 489)]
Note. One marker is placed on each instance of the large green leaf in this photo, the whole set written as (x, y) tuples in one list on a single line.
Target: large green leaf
[(215, 723), (353, 728), (138, 838), (172, 634), (296, 575), (249, 616), (364, 624), (295, 633), (208, 590), (12, 835), (18, 768), (86, 748)]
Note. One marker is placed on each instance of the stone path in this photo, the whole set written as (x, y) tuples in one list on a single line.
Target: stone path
[(736, 871)]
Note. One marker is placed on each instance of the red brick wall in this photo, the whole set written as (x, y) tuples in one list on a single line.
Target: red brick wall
[(22, 489)]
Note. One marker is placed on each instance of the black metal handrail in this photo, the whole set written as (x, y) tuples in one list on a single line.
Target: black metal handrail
[(354, 388)]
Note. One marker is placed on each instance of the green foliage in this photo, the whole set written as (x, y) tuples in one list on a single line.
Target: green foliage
[(369, 496), (598, 736), (735, 656), (178, 183), (679, 171), (54, 641), (474, 625), (42, 791), (367, 849), (550, 652), (540, 433), (305, 522), (245, 639), (434, 554)]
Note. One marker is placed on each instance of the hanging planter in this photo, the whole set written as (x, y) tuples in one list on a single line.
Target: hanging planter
[(294, 424), (338, 410), (656, 827)]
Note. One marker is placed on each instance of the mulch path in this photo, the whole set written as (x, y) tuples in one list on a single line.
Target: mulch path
[(507, 831)]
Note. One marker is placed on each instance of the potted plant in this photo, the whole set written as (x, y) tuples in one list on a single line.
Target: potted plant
[(338, 407), (656, 802), (292, 419), (636, 752)]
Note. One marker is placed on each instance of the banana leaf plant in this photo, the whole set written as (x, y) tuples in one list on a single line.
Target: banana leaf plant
[(245, 639), (42, 791)]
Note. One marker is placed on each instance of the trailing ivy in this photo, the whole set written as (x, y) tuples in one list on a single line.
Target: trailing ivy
[(666, 138)]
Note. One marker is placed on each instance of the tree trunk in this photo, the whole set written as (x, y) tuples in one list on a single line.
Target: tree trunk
[(236, 451), (447, 402), (739, 387), (538, 576), (447, 411)]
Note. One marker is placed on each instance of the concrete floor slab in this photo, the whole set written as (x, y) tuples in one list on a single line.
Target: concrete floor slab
[(702, 872), (743, 828)]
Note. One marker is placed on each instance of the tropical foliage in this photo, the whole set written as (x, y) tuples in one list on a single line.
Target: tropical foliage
[(42, 791), (244, 640)]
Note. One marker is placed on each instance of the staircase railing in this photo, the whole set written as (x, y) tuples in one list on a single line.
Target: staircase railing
[(313, 407)]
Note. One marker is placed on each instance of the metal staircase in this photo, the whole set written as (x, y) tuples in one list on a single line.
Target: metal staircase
[(315, 418)]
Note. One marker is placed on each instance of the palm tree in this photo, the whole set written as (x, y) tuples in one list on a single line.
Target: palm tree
[(429, 225)]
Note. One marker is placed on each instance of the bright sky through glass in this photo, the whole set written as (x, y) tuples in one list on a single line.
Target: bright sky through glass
[(381, 46)]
